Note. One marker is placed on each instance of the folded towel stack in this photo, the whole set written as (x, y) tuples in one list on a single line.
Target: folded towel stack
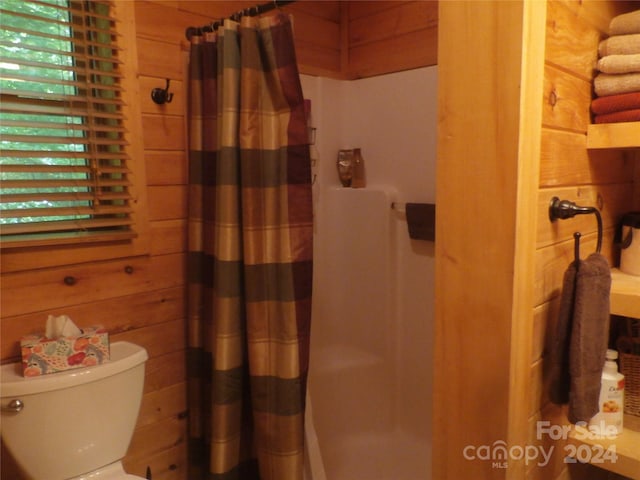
[(617, 85)]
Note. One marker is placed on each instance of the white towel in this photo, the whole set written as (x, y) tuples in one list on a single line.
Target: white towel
[(625, 23), (619, 63), (620, 45), (606, 84)]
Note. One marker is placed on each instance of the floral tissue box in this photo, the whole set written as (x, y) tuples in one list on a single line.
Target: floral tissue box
[(42, 355)]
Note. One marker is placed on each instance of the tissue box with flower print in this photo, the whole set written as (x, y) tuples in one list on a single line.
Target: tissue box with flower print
[(42, 355)]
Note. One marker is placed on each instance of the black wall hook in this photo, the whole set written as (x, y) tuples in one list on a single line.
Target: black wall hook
[(162, 95)]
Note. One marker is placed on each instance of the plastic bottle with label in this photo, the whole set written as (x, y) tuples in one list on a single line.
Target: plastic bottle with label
[(609, 420)]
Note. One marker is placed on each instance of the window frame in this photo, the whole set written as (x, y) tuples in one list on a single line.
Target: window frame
[(19, 258)]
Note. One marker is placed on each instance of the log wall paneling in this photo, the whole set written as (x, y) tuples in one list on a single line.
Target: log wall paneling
[(163, 132), (316, 30), (23, 291), (160, 59), (567, 99), (166, 168), (389, 36), (552, 160), (147, 306), (169, 237), (167, 202), (568, 170), (119, 313), (565, 160), (167, 21), (345, 40)]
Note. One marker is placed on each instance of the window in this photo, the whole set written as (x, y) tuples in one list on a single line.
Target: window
[(64, 165)]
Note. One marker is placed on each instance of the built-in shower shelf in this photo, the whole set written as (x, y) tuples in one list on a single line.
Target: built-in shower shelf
[(625, 294), (620, 455)]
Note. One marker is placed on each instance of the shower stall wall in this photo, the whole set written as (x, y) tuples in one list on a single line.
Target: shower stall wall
[(371, 347)]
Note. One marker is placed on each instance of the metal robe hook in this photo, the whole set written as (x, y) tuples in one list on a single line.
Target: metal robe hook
[(162, 96)]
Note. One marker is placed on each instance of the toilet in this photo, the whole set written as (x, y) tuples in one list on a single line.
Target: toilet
[(77, 424)]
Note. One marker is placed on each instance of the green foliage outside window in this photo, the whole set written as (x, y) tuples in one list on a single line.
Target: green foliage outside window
[(34, 56)]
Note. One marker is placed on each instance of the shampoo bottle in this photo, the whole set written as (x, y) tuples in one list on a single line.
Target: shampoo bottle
[(608, 421), (358, 180), (345, 166)]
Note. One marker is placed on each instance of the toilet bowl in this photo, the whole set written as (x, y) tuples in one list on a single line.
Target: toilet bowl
[(77, 424)]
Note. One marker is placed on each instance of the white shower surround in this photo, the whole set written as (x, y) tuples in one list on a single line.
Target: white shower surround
[(370, 382)]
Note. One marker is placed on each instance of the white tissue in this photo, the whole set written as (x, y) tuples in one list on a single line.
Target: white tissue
[(61, 326)]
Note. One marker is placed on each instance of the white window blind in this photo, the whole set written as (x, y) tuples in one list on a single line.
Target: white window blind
[(63, 164)]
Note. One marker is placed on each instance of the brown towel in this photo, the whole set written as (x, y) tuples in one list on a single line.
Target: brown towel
[(576, 354), (625, 23), (589, 336), (421, 221), (559, 349), (615, 103)]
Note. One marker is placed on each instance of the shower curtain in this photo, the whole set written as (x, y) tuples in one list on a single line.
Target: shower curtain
[(250, 253)]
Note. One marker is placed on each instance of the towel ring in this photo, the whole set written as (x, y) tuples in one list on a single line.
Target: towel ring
[(563, 209)]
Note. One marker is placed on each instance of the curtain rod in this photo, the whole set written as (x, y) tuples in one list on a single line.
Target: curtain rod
[(247, 12)]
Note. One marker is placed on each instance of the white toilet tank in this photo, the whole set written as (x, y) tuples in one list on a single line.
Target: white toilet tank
[(73, 422)]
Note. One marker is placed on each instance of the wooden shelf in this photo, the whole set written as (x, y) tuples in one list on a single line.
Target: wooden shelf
[(627, 448), (614, 135), (625, 294)]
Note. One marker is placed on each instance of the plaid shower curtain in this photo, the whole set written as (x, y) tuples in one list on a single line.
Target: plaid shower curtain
[(250, 253)]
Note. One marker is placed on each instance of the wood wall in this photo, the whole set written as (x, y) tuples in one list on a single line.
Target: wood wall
[(604, 178), (513, 115), (390, 36), (147, 306), (339, 40)]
